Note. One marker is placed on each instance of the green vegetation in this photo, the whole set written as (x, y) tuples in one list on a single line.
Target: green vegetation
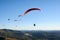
[(29, 35)]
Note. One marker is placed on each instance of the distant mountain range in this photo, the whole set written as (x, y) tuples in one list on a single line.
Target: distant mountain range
[(30, 35)]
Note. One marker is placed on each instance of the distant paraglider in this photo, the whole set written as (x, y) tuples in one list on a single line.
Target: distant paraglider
[(19, 15), (34, 25), (15, 20), (8, 19), (31, 9), (18, 18)]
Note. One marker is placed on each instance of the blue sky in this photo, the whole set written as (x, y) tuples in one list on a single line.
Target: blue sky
[(46, 19)]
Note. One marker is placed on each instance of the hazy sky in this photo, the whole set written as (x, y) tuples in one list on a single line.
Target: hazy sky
[(46, 19)]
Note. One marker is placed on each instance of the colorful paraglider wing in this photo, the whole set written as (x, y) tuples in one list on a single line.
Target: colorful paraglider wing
[(31, 10)]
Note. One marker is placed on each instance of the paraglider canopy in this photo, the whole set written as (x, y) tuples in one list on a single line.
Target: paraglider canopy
[(31, 9)]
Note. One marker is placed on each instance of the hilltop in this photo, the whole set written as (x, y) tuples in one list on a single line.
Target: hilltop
[(29, 35)]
